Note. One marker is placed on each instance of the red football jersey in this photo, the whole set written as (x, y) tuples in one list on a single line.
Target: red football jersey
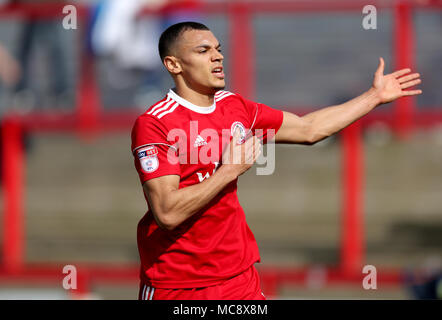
[(176, 137)]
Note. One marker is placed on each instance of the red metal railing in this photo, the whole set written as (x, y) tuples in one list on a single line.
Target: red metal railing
[(89, 118), (13, 184)]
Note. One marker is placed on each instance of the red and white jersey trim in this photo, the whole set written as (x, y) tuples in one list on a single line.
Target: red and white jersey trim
[(155, 143), (156, 107), (222, 94), (170, 110), (173, 100), (164, 107), (189, 105), (147, 293)]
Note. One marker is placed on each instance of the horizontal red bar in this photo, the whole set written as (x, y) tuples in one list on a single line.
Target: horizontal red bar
[(40, 11), (48, 10), (329, 275), (54, 272), (68, 122), (130, 273), (123, 120)]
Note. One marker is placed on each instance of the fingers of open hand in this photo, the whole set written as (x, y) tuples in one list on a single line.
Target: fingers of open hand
[(409, 77), (411, 92), (409, 81), (401, 72), (409, 84)]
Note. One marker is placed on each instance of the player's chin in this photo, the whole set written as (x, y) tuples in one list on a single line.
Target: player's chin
[(219, 84)]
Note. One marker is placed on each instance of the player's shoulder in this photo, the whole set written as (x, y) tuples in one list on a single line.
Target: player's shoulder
[(147, 122), (224, 95), (231, 99), (162, 109), (234, 101), (158, 112)]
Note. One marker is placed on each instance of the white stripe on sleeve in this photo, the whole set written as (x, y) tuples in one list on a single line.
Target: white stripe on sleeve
[(158, 106), (166, 106), (151, 293), (223, 96), (143, 293), (168, 111)]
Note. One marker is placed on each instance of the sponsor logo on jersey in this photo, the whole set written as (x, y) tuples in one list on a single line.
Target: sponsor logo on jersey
[(148, 158), (207, 175), (242, 131)]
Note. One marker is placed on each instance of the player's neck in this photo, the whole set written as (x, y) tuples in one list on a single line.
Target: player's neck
[(194, 97)]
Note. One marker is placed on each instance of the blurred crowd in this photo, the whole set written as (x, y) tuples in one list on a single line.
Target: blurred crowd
[(41, 67), (38, 70), (425, 281)]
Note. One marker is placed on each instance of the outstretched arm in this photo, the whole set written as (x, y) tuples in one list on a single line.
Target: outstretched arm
[(321, 124)]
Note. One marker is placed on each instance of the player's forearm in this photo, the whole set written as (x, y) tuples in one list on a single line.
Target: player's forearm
[(330, 120), (182, 203)]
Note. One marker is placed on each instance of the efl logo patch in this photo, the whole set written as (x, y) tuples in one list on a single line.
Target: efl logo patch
[(148, 158)]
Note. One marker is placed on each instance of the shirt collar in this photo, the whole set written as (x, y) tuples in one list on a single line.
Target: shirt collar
[(190, 105)]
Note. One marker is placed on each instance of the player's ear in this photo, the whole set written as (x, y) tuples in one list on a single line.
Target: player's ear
[(172, 64)]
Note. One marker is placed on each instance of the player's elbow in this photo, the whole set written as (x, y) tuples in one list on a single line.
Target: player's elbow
[(311, 136), (164, 212), (168, 226), (314, 135), (165, 221), (310, 140), (307, 132)]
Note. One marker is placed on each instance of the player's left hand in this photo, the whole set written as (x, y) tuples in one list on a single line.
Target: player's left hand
[(391, 86)]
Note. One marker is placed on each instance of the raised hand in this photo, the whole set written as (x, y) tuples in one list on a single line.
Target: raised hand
[(391, 86), (241, 157)]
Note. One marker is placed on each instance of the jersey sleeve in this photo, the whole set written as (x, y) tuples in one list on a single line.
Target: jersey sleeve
[(265, 121), (154, 155)]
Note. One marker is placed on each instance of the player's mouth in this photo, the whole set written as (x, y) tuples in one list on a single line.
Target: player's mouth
[(218, 72)]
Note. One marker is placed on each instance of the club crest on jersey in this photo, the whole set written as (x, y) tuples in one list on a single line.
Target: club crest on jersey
[(148, 157), (242, 131)]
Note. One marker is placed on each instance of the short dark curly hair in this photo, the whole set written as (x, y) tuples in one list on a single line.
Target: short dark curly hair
[(172, 33)]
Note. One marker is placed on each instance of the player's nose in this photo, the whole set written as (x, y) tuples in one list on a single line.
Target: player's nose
[(217, 56)]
